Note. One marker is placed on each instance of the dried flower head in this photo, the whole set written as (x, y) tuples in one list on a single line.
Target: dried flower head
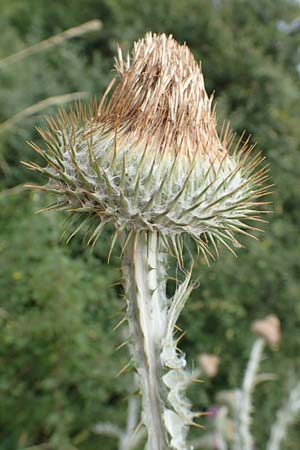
[(209, 364), (161, 100), (150, 158), (268, 328)]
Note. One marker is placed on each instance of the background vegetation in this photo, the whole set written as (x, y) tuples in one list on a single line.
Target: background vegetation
[(59, 303)]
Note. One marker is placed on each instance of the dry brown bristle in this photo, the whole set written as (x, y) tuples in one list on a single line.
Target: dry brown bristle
[(161, 99)]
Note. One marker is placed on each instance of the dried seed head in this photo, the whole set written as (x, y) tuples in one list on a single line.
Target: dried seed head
[(209, 364), (161, 99), (150, 158), (269, 329)]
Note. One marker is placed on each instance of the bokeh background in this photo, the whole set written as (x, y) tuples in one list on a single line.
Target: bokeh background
[(59, 303)]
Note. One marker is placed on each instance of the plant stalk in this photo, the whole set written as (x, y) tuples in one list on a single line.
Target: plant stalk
[(144, 282), (244, 439)]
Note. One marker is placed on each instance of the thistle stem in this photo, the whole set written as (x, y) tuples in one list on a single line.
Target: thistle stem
[(143, 271), (244, 439), (285, 417)]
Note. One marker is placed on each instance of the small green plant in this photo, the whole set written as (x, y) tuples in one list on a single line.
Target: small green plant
[(149, 161)]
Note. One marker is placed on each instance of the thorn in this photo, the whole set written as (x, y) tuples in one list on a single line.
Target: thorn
[(120, 323), (197, 380), (137, 429), (180, 337), (202, 413), (113, 241), (124, 369), (123, 344), (197, 425)]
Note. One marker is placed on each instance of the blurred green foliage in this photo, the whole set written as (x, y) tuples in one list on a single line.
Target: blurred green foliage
[(58, 303)]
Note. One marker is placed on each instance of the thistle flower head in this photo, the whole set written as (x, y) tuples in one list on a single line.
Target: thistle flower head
[(268, 329), (209, 364), (150, 158), (161, 100)]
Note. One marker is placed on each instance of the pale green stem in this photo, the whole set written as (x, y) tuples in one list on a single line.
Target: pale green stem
[(243, 438), (143, 271), (285, 417)]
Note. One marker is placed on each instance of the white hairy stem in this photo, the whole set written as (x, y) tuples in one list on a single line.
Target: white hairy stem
[(152, 317), (221, 428), (285, 417), (243, 436), (131, 437), (146, 314), (132, 422), (133, 434)]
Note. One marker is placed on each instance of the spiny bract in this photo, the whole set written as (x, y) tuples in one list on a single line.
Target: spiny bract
[(150, 157)]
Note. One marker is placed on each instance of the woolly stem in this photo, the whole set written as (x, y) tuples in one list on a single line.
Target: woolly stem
[(285, 417), (244, 439), (221, 418), (133, 434), (143, 271)]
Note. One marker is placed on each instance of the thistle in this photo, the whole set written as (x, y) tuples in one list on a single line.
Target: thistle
[(148, 159)]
